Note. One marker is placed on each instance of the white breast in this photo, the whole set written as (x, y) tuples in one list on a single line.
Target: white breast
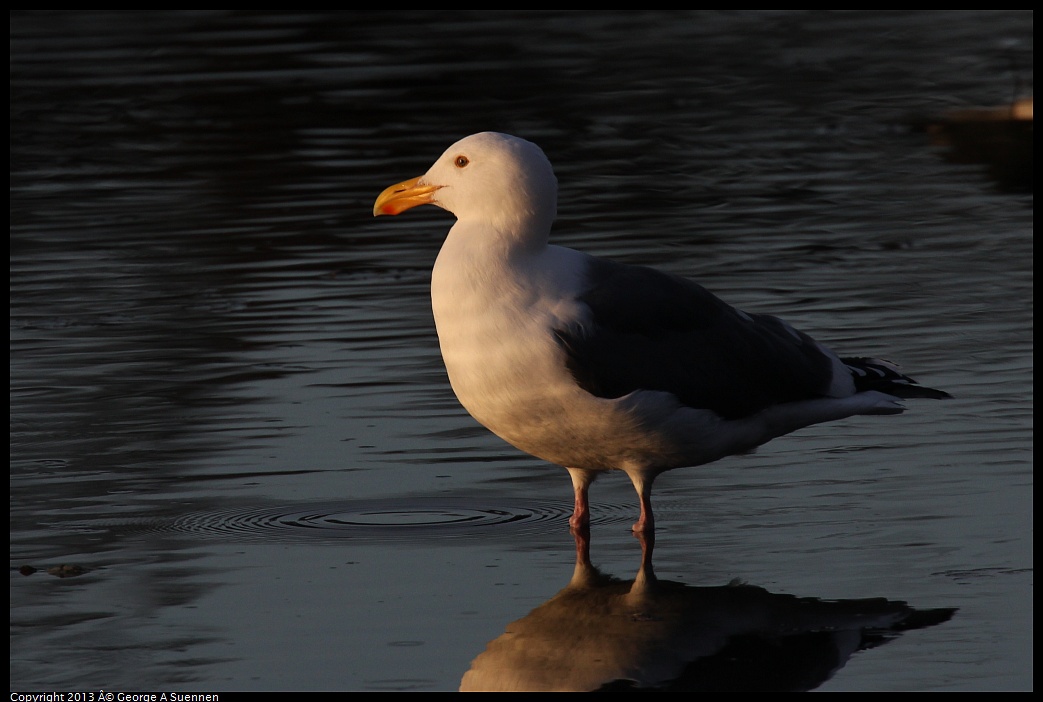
[(495, 318)]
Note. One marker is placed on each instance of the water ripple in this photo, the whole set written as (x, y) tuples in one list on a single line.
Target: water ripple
[(374, 520)]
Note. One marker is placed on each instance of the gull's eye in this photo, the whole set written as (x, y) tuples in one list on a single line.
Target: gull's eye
[(461, 161)]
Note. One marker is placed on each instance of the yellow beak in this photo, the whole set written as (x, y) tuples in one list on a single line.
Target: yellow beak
[(402, 196)]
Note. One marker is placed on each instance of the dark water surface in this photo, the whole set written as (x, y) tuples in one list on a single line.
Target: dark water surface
[(229, 417)]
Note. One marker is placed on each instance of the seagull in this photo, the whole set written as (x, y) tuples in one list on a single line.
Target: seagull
[(595, 365)]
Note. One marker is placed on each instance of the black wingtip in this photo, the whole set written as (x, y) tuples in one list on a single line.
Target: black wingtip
[(884, 376)]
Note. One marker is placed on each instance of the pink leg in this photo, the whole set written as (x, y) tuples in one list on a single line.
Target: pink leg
[(582, 537), (581, 480), (643, 485), (647, 541)]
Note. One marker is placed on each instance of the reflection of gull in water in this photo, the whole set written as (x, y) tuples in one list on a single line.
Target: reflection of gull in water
[(600, 633), (596, 365)]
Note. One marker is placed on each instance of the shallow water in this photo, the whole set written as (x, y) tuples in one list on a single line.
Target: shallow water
[(228, 410)]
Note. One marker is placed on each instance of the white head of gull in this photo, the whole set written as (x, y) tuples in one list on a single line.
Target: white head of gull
[(595, 365)]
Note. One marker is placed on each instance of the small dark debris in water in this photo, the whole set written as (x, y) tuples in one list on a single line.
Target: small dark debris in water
[(66, 570), (999, 137)]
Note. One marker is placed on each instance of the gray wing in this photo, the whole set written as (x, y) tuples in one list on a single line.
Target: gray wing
[(649, 330)]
